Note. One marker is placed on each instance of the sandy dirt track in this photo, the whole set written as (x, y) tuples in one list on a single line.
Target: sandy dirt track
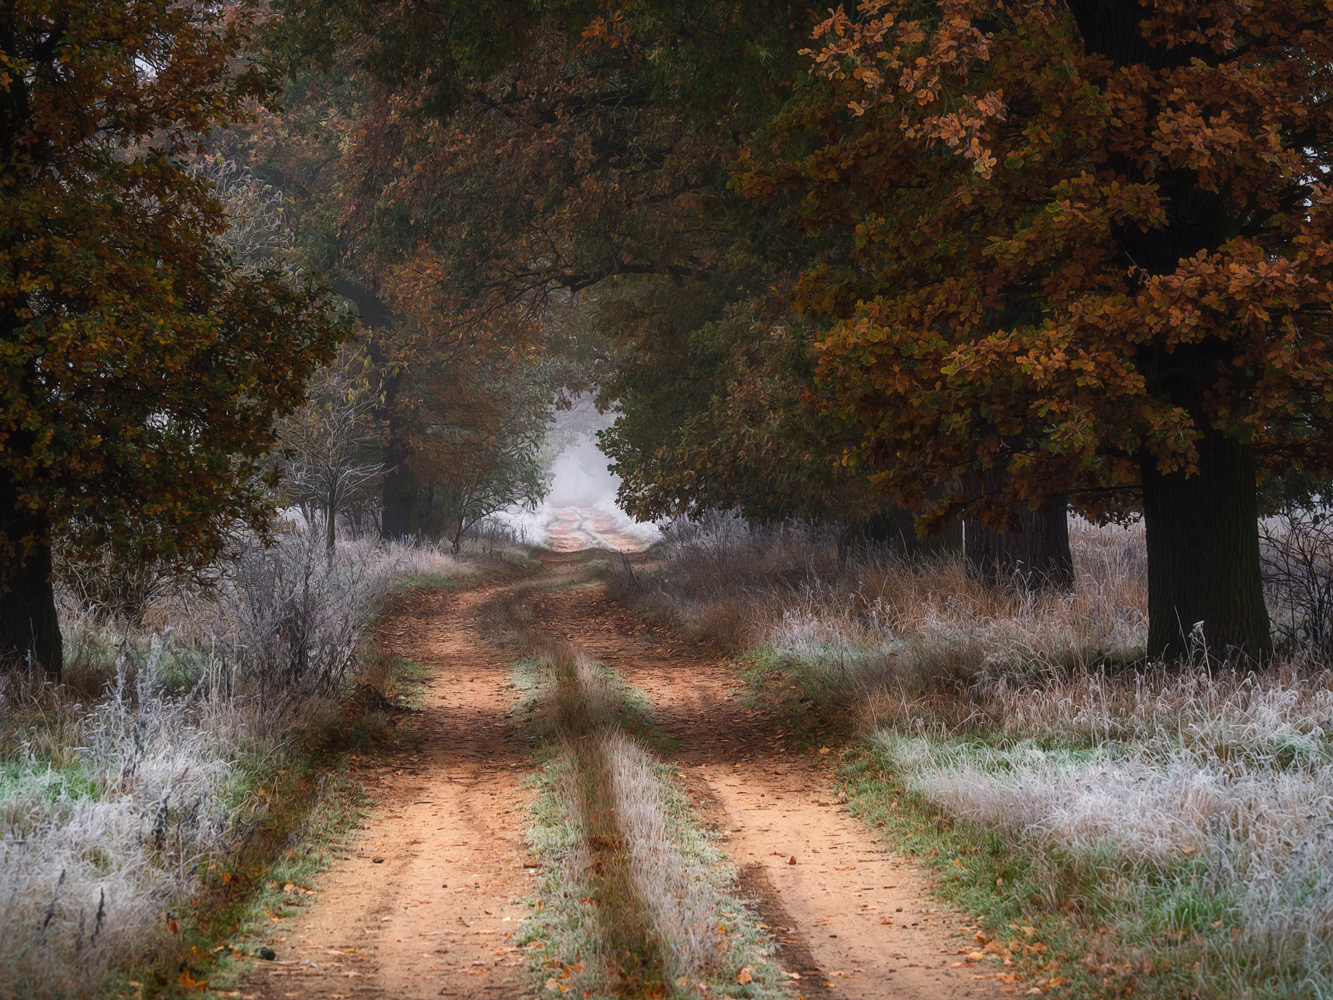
[(575, 529), (427, 903), (436, 915)]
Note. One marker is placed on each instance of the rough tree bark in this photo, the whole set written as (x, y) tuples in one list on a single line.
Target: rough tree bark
[(1205, 589), (1039, 554), (29, 627), (1202, 530), (401, 515), (402, 494)]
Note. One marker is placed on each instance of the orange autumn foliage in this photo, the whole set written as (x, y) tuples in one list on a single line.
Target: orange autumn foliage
[(141, 367), (1091, 248)]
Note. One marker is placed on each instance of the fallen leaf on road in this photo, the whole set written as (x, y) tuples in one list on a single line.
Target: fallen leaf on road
[(792, 860)]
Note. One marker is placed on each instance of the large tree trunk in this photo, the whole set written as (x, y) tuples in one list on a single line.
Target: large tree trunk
[(1038, 555), (331, 525), (29, 627), (1203, 557), (402, 508), (1202, 530), (400, 517), (896, 529)]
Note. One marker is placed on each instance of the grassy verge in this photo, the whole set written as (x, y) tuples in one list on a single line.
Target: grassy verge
[(808, 713), (1118, 827), (1071, 913), (308, 802), (635, 897)]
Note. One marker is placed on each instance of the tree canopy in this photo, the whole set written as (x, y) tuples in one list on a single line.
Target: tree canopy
[(1091, 250), (142, 364), (977, 256)]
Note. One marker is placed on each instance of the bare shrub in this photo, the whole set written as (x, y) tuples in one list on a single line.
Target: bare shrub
[(106, 585), (290, 618), (1296, 549)]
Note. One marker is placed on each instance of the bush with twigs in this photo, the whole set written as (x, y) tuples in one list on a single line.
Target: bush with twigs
[(122, 786)]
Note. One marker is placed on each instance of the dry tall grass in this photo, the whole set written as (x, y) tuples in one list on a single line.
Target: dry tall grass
[(1151, 796), (867, 616)]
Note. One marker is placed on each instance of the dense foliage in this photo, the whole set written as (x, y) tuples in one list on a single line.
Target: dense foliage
[(142, 365), (1092, 251)]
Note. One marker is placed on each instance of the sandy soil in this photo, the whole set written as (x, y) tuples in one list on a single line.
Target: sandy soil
[(428, 902), (849, 915)]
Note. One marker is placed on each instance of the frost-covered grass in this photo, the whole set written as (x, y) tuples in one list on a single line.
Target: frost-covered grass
[(1207, 797), (1173, 826), (685, 881), (98, 855), (859, 618), (635, 894), (564, 937), (123, 788)]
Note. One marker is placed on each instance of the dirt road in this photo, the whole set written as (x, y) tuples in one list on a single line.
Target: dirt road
[(428, 903)]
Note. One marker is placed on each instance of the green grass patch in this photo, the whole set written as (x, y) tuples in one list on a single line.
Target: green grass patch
[(1075, 927), (811, 713)]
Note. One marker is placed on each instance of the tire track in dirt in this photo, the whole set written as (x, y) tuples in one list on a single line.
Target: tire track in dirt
[(850, 916), (435, 915)]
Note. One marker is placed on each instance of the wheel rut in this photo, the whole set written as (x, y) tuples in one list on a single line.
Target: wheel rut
[(426, 903), (436, 915), (850, 916)]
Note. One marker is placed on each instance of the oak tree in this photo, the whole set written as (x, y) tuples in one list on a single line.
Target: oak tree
[(142, 365), (1093, 253)]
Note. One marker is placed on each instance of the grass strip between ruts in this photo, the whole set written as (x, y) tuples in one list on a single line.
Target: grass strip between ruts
[(593, 932)]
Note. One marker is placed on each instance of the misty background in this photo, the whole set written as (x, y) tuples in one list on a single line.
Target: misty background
[(580, 508)]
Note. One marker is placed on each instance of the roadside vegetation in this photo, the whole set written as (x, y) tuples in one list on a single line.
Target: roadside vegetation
[(635, 898), (188, 773), (1156, 830)]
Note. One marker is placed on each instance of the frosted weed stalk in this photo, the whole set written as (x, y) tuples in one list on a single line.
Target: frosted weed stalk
[(95, 854)]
